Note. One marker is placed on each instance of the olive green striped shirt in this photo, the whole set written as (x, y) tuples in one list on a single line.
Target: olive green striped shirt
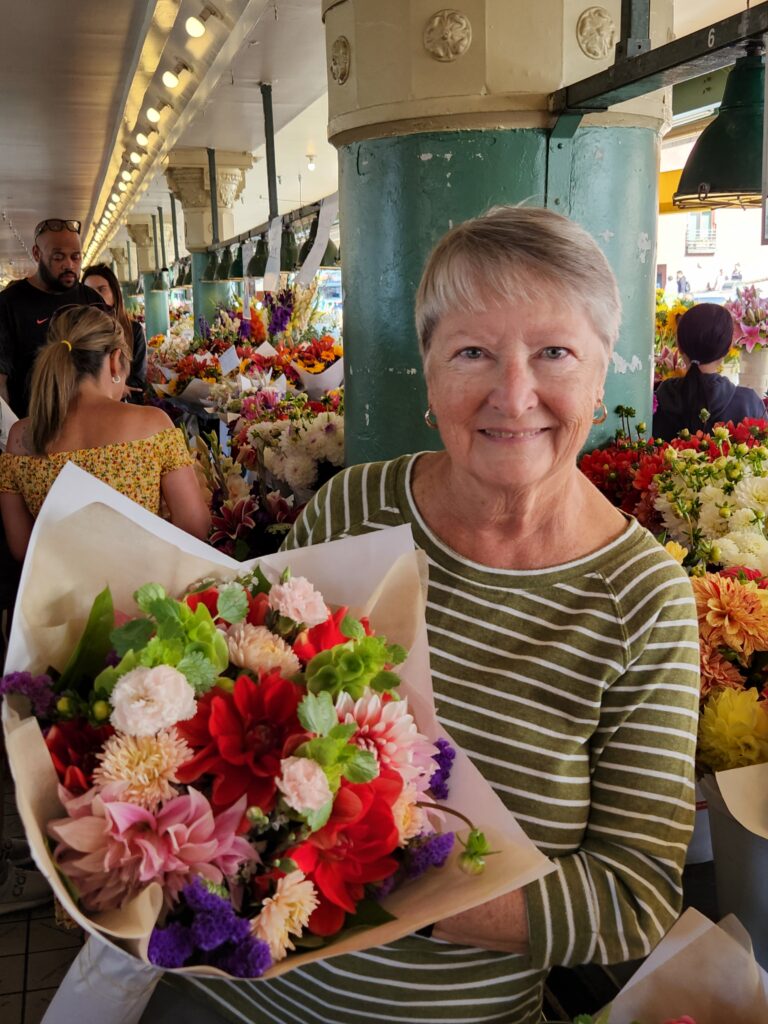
[(574, 690)]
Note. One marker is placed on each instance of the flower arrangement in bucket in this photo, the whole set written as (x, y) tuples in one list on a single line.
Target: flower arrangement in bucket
[(750, 319)]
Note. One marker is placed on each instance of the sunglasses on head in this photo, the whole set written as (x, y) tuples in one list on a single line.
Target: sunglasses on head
[(54, 224)]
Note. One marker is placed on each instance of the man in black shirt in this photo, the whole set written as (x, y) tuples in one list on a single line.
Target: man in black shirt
[(26, 306)]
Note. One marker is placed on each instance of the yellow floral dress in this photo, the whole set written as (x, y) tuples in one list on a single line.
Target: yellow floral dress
[(132, 467)]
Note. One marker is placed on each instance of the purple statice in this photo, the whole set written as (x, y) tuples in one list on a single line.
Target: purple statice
[(385, 887), (428, 852), (112, 659), (279, 307), (215, 921), (247, 959), (171, 946), (438, 782), (38, 690), (204, 327), (244, 330)]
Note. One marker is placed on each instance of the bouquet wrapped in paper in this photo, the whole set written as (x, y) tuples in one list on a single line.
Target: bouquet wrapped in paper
[(230, 736)]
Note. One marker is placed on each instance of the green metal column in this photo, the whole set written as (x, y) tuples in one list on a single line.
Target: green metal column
[(156, 317), (207, 296), (398, 196)]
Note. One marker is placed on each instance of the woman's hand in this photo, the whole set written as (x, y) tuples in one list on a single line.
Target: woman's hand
[(501, 925)]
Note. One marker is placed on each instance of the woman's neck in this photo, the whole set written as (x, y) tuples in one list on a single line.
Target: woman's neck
[(533, 527)]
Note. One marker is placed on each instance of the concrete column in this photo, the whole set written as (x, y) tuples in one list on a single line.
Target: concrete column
[(439, 114), (119, 257), (188, 179), (156, 316)]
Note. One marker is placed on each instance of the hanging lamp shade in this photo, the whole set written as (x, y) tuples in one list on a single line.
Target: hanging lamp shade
[(331, 255), (236, 270), (209, 274), (187, 281), (257, 264), (160, 281), (289, 250), (725, 166), (309, 241), (222, 271)]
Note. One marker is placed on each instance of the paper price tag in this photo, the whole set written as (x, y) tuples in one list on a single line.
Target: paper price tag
[(229, 360)]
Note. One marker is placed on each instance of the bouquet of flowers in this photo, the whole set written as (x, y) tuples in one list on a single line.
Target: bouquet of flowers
[(750, 318), (238, 771), (299, 442), (319, 363), (667, 318)]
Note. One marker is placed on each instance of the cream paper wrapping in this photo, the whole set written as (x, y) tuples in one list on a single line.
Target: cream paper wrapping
[(88, 536), (701, 969)]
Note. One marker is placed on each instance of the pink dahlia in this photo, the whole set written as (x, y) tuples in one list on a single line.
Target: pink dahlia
[(111, 849), (387, 729)]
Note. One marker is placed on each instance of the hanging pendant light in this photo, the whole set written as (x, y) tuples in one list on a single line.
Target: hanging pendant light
[(209, 274), (289, 250), (160, 281), (331, 255), (236, 270), (309, 241), (725, 167), (222, 272), (257, 264)]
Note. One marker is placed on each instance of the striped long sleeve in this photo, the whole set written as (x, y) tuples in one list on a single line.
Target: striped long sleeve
[(575, 692)]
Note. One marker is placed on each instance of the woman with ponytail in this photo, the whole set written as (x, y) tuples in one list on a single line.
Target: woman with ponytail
[(102, 279), (76, 416), (703, 397)]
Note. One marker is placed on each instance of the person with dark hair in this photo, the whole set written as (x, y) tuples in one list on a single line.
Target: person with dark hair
[(703, 397), (102, 279), (26, 306), (76, 416)]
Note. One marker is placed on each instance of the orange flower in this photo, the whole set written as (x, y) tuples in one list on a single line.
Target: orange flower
[(732, 614), (717, 671)]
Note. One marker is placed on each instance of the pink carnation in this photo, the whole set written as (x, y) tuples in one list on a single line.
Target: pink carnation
[(297, 599), (304, 784), (111, 849), (146, 700), (388, 730)]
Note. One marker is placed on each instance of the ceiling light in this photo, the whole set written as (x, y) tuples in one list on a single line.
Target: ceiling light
[(115, 197), (122, 186), (142, 139), (194, 27), (126, 175), (153, 114), (170, 79), (311, 161), (135, 157), (111, 206)]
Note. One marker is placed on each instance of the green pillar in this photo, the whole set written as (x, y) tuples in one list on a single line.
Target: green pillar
[(398, 196), (207, 296), (156, 318)]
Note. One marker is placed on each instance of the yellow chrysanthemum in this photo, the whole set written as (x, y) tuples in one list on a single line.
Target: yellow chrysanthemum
[(732, 614), (733, 730), (147, 763), (677, 551), (285, 914)]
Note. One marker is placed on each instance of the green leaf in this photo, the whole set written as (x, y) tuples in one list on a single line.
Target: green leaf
[(308, 941), (342, 731), (384, 681), (232, 605), (317, 713), (146, 595), (316, 819), (200, 671), (352, 628), (362, 767), (396, 654), (132, 636), (368, 914), (87, 659)]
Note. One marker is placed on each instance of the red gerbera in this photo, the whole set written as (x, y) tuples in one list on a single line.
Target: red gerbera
[(73, 746), (355, 847), (240, 738)]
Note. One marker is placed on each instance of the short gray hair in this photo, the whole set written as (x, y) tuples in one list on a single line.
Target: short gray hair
[(517, 253)]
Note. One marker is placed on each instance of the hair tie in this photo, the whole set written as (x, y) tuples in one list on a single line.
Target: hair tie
[(67, 343), (695, 362)]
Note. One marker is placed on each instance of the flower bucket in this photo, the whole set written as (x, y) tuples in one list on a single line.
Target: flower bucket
[(700, 848), (316, 384), (754, 369), (740, 848)]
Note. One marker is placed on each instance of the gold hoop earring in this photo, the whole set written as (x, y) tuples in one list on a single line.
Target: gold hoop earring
[(597, 420), (115, 379), (429, 418)]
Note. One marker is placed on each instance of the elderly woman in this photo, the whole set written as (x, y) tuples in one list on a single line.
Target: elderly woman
[(563, 639)]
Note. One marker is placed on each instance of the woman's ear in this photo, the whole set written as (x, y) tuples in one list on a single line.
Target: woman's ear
[(116, 362)]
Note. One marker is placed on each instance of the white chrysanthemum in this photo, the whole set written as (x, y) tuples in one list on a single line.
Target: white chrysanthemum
[(676, 527), (746, 548), (752, 492), (743, 520), (146, 700), (299, 470), (259, 650)]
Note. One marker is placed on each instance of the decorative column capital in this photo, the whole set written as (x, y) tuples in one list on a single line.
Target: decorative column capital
[(140, 233), (189, 180)]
